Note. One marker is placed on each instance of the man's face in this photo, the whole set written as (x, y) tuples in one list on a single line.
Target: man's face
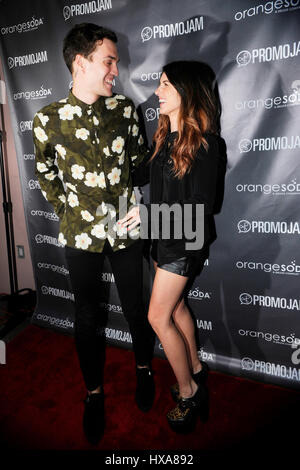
[(100, 68)]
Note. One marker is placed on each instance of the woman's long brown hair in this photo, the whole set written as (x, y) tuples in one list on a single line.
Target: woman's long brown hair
[(198, 114)]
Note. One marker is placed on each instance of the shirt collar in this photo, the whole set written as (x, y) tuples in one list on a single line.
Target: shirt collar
[(95, 107)]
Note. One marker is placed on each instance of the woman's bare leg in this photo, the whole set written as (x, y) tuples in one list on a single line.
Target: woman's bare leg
[(184, 323), (166, 293)]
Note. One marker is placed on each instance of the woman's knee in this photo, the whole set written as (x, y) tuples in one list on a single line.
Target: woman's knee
[(155, 319)]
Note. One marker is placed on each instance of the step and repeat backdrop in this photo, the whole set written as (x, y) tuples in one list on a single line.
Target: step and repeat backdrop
[(246, 302)]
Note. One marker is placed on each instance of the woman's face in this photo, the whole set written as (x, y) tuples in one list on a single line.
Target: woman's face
[(169, 98)]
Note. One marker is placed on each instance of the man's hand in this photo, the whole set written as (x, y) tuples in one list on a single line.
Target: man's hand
[(131, 219)]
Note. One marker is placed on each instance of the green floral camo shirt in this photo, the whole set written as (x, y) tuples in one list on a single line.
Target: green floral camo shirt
[(84, 158)]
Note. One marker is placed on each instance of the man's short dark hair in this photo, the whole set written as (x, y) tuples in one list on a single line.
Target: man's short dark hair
[(82, 39)]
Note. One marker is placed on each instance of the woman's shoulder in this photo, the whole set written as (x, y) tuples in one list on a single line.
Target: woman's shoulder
[(214, 147)]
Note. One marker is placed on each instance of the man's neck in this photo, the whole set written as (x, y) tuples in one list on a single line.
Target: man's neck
[(83, 95)]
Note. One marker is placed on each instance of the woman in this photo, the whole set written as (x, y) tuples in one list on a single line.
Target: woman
[(183, 170)]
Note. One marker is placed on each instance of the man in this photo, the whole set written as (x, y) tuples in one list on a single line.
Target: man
[(86, 146)]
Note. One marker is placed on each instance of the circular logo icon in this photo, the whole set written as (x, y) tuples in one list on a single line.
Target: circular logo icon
[(67, 13), (296, 86), (150, 114), (32, 184), (45, 290), (245, 299), (247, 363), (243, 58), (11, 62), (39, 238), (244, 226), (22, 126), (245, 145), (146, 33)]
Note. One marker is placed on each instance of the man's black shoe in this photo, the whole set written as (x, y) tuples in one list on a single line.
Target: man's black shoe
[(93, 417), (145, 389)]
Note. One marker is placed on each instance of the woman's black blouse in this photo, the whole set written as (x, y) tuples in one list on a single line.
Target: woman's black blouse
[(196, 187)]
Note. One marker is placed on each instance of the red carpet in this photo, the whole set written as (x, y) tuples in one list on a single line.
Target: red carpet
[(42, 391)]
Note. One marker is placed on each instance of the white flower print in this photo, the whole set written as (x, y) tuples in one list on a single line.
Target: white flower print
[(101, 180), (111, 240), (62, 198), (95, 121), (77, 110), (104, 208), (73, 200), (132, 199), (98, 231), (121, 246), (61, 239), (83, 241), (127, 111), (66, 112), (112, 213), (134, 158), (120, 97), (40, 134), (82, 133), (125, 193), (91, 179), (77, 172), (43, 119), (114, 176), (106, 151), (120, 230), (72, 187), (121, 158), (50, 176), (135, 115), (141, 140), (118, 144), (44, 194), (111, 103), (41, 167), (87, 216), (135, 130), (60, 150), (64, 100)]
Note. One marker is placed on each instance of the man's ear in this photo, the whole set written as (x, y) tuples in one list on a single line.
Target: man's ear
[(79, 63)]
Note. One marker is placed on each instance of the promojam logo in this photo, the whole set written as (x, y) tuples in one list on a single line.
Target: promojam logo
[(151, 114), (26, 126), (267, 8), (265, 144), (270, 368), (39, 238), (269, 301), (28, 59), (173, 29), (86, 8), (64, 294), (266, 226), (268, 54)]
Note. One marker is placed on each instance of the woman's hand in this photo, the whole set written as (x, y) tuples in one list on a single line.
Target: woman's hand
[(131, 219)]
